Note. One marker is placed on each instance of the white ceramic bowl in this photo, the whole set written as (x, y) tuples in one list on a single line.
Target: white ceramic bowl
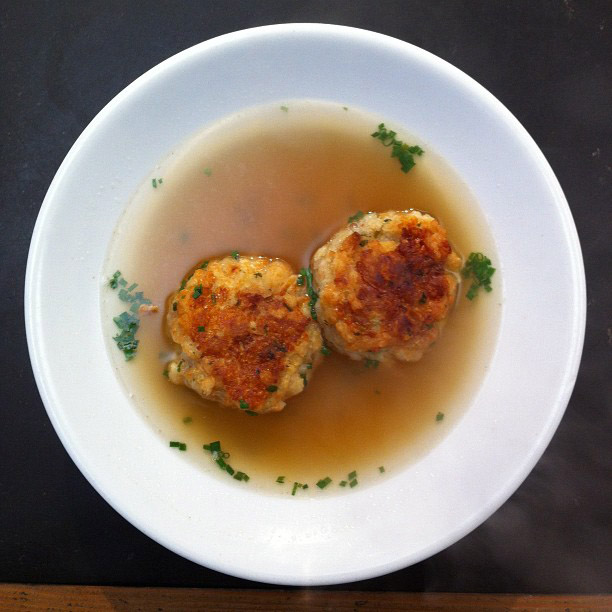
[(430, 504)]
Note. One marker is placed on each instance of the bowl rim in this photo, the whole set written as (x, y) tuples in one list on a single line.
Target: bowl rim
[(32, 305)]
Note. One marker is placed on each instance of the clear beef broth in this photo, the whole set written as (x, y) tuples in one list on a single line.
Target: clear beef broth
[(279, 183)]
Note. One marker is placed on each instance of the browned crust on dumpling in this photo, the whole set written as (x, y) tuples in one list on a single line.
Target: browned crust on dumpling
[(384, 285), (246, 334)]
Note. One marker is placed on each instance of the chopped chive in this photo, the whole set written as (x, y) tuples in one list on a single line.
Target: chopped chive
[(404, 152), (342, 483), (174, 306), (298, 485), (241, 476), (204, 265), (439, 416), (324, 482), (345, 108), (213, 446), (354, 218), (271, 388), (114, 280), (352, 475), (308, 366), (165, 373), (243, 405), (174, 444), (281, 480), (128, 325), (381, 469), (179, 366), (197, 292), (284, 108), (207, 171), (154, 183), (300, 280), (371, 363), (201, 328), (187, 420), (250, 412), (312, 294), (478, 267), (235, 255), (132, 287), (325, 351), (305, 379), (258, 275), (183, 283), (353, 483), (182, 446)]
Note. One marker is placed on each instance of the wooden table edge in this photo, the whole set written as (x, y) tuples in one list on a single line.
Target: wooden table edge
[(16, 596)]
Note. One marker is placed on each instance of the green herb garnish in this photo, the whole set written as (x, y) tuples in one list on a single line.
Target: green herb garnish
[(180, 445), (439, 416), (197, 292), (298, 485), (235, 255), (165, 373), (325, 351), (201, 328), (281, 480), (114, 280), (300, 280), (271, 388), (342, 483), (204, 265), (371, 363), (220, 457), (354, 218), (324, 482), (285, 109), (312, 294), (381, 469), (404, 153), (187, 420), (478, 268), (213, 446), (125, 339), (207, 171), (243, 405)]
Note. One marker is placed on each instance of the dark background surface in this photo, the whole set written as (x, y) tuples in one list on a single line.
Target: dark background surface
[(549, 62)]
